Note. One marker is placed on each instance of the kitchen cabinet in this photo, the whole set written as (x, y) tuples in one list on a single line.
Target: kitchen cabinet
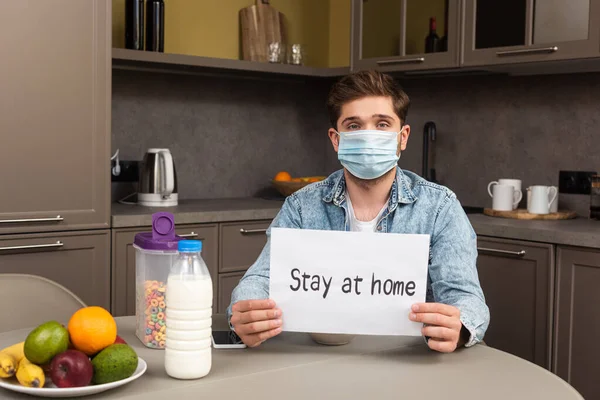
[(227, 282), (517, 279), (123, 262), (390, 34), (78, 260), (577, 324), (240, 244), (55, 115), (519, 31)]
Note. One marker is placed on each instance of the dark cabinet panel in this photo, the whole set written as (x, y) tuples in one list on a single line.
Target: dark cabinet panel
[(240, 244), (55, 115), (577, 352), (525, 31), (517, 281), (77, 260)]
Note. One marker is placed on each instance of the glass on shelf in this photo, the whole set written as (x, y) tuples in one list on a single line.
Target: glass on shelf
[(276, 52), (296, 54)]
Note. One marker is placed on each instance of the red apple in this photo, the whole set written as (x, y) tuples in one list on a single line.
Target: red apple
[(119, 339), (71, 368)]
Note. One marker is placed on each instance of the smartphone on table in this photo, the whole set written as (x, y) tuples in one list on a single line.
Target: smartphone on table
[(227, 340)]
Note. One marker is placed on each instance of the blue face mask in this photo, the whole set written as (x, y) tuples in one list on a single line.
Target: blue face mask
[(368, 154)]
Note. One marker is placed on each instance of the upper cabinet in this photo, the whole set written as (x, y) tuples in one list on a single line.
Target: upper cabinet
[(404, 35), (55, 115), (212, 35), (518, 31)]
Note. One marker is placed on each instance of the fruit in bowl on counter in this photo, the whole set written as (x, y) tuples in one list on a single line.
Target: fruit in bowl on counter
[(10, 358), (46, 341), (88, 351), (282, 176), (71, 368), (114, 363), (30, 375), (92, 329), (14, 363), (286, 184), (119, 339)]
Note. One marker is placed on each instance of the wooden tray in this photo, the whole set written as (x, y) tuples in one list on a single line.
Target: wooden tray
[(523, 214)]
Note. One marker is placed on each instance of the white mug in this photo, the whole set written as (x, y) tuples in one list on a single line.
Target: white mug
[(515, 184), (503, 197), (554, 202), (540, 200)]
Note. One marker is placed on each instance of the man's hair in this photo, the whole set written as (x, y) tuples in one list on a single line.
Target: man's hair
[(362, 84)]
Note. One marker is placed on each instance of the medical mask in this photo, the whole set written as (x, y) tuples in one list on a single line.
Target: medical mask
[(368, 154)]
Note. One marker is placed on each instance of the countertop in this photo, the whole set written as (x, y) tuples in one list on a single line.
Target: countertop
[(292, 366), (581, 232), (576, 232), (198, 211)]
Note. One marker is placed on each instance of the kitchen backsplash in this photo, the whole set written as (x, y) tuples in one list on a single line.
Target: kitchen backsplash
[(527, 127), (491, 127), (228, 136)]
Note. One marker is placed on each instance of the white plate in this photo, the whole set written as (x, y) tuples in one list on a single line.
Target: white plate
[(52, 391)]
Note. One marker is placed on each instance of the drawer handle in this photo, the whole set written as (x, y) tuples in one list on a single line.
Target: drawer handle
[(251, 231), (416, 60), (34, 246), (58, 218), (189, 235), (503, 252), (540, 50)]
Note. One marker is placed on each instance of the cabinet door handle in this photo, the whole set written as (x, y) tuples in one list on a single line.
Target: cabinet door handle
[(34, 246), (540, 50), (189, 235), (251, 231), (58, 218), (415, 60), (520, 253)]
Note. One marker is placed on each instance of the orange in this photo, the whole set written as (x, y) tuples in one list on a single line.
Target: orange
[(92, 329), (283, 176)]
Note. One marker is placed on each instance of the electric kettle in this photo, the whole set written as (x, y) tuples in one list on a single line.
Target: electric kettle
[(158, 179)]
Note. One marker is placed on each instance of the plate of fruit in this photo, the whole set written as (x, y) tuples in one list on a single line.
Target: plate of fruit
[(286, 184), (84, 358)]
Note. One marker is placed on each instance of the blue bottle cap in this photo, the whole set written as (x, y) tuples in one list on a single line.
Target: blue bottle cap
[(189, 246)]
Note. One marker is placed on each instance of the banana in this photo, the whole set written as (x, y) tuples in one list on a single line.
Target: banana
[(30, 375), (10, 358)]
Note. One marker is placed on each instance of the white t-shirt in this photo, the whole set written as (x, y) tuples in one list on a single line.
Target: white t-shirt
[(363, 226)]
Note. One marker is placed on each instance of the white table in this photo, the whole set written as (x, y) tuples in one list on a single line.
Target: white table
[(292, 366)]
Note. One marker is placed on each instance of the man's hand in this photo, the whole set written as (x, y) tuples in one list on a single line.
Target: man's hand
[(256, 320), (443, 326)]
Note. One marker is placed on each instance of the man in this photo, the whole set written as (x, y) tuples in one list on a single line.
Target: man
[(369, 131)]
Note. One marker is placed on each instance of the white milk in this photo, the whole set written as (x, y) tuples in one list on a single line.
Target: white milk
[(189, 319)]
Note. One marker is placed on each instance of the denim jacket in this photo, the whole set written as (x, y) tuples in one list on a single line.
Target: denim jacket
[(415, 206)]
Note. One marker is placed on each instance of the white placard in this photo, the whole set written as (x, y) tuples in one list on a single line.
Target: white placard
[(348, 282)]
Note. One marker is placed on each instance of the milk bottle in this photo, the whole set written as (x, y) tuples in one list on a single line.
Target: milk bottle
[(189, 314)]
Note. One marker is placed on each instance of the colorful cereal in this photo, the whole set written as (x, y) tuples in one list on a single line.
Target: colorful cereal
[(154, 315)]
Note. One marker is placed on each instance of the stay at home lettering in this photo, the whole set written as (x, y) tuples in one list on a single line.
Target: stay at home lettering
[(303, 281)]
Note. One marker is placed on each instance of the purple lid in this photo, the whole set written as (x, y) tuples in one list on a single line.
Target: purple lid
[(162, 236)]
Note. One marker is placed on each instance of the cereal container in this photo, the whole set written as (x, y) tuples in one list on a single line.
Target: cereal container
[(155, 252)]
